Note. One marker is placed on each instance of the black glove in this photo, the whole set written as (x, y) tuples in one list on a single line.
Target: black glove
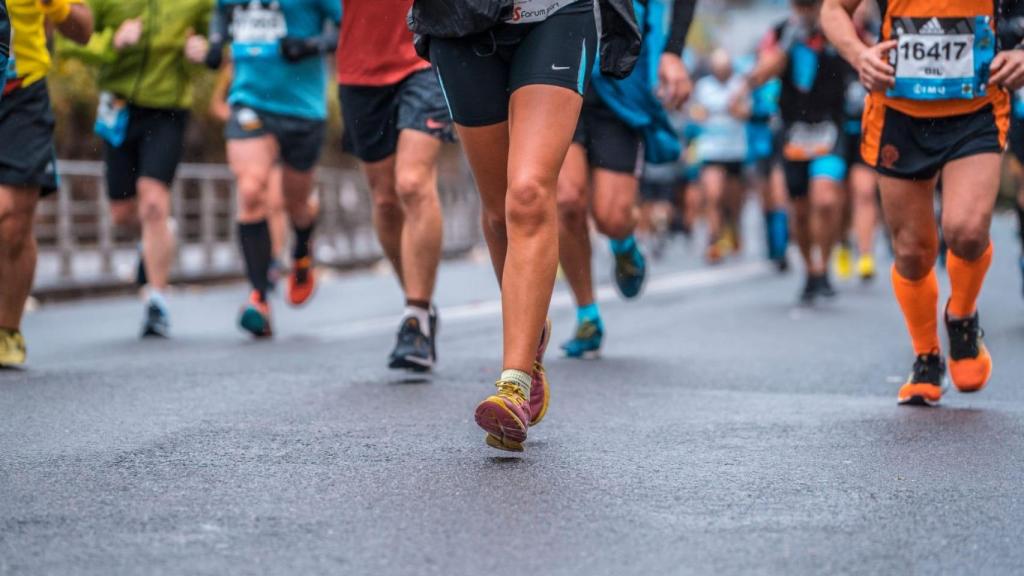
[(295, 49)]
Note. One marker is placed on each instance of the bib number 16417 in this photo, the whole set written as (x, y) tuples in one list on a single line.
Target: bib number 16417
[(941, 58)]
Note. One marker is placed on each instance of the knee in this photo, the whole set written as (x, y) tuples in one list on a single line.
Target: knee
[(967, 241), (414, 188), (914, 257), (528, 203), (123, 213), (617, 223), (252, 195), (572, 205), (386, 204), (15, 232), (154, 210)]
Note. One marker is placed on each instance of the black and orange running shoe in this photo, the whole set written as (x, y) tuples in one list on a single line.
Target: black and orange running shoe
[(255, 316), (301, 281), (924, 387), (970, 364)]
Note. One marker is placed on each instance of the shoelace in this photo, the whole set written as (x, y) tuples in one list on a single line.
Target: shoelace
[(511, 391), (627, 264), (586, 330), (927, 369), (302, 268), (967, 333)]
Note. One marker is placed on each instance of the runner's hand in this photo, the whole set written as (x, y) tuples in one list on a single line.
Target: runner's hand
[(873, 66), (1008, 69), (128, 34), (674, 83), (196, 48)]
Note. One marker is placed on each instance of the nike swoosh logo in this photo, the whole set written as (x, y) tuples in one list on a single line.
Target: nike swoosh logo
[(553, 67)]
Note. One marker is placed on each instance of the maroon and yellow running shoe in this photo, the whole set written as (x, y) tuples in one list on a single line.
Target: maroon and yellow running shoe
[(505, 417), (540, 388)]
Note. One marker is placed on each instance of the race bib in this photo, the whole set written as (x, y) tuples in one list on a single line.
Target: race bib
[(257, 30), (526, 11), (806, 141), (111, 119), (941, 58)]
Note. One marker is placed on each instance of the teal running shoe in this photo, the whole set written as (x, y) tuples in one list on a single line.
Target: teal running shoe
[(587, 342), (630, 272)]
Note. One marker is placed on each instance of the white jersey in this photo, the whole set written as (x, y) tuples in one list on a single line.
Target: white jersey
[(724, 137)]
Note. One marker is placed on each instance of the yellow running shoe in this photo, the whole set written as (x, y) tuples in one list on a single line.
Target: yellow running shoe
[(12, 349), (844, 262), (505, 417), (866, 267)]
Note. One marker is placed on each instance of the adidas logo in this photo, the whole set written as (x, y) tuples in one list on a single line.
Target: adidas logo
[(932, 27)]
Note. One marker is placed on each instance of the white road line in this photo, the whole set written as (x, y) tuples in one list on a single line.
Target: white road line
[(668, 284)]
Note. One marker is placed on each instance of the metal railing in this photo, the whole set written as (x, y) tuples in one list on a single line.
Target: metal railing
[(81, 249)]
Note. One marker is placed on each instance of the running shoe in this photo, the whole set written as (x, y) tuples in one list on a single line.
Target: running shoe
[(12, 349), (825, 288), (924, 387), (540, 388), (587, 341), (810, 292), (866, 267), (255, 317), (414, 350), (301, 281), (844, 262), (505, 417), (157, 323), (630, 272), (970, 364), (435, 325)]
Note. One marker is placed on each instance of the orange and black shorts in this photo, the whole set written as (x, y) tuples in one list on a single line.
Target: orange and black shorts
[(911, 148)]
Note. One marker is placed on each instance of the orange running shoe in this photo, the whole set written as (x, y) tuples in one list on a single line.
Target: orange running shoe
[(970, 364), (505, 417), (301, 281), (540, 388), (924, 387), (255, 317)]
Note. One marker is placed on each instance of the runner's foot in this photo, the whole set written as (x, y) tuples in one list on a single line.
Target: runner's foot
[(970, 365), (255, 317), (924, 387)]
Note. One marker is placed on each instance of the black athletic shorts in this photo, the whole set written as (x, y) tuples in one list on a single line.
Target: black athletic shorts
[(27, 155), (299, 139), (375, 115), (479, 73), (152, 148), (1017, 138), (911, 148), (611, 144), (732, 168), (852, 150)]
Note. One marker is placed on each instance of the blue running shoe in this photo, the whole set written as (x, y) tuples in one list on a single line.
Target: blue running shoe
[(156, 323), (587, 342), (630, 272)]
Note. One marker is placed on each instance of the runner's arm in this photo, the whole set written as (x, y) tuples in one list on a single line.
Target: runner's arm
[(870, 62), (674, 84), (217, 39), (295, 49), (100, 48), (771, 61), (1007, 68), (72, 18), (1011, 25)]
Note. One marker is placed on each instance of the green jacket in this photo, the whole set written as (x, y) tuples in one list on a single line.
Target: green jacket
[(154, 73)]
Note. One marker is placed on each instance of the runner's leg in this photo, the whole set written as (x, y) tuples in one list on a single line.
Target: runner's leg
[(421, 235), (17, 251)]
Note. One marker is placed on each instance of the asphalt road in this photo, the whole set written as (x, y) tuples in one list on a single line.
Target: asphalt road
[(724, 431)]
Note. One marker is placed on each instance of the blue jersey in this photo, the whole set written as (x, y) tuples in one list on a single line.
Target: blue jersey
[(264, 80)]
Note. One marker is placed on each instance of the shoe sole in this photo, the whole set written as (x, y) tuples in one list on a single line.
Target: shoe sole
[(508, 446), (921, 400), (155, 333), (410, 363), (501, 423), (254, 323)]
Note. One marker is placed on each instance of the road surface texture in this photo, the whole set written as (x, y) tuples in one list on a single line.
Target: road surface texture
[(724, 431)]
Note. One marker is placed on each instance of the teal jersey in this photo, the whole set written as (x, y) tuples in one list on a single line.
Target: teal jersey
[(263, 79)]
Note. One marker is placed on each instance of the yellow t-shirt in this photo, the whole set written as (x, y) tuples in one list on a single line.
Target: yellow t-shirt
[(30, 59)]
